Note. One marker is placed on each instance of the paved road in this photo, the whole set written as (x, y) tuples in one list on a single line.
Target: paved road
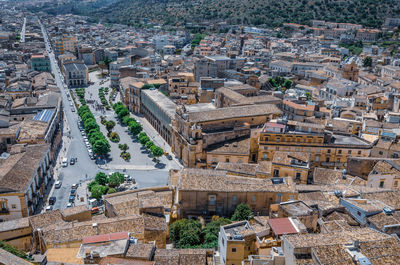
[(85, 166), (23, 31)]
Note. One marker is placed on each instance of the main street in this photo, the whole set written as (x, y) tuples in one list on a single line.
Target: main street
[(23, 31), (146, 175)]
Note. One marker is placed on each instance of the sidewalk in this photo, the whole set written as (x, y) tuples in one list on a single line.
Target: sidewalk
[(128, 167)]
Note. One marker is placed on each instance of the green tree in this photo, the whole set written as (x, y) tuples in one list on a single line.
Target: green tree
[(101, 178), (143, 140), (115, 179), (124, 112), (211, 231), (242, 212), (308, 95), (135, 128), (110, 125), (123, 147), (111, 190), (142, 134), (90, 124), (367, 62), (127, 119), (101, 147), (186, 233), (156, 151), (91, 184), (149, 144), (98, 191)]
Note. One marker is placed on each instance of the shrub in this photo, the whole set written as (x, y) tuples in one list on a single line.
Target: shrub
[(114, 137), (123, 147)]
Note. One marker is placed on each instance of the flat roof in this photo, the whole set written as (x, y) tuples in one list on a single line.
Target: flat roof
[(162, 101)]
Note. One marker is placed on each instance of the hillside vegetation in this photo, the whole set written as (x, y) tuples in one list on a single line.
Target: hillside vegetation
[(269, 13)]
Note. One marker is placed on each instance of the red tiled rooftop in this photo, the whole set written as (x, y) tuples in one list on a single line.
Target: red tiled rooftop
[(282, 226), (105, 237)]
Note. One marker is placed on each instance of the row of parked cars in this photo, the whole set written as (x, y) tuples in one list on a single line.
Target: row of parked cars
[(85, 139)]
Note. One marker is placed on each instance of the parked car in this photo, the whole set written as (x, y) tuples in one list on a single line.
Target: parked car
[(73, 192), (69, 205), (64, 162), (52, 200), (58, 184), (74, 186), (49, 208), (95, 210), (71, 199), (72, 161)]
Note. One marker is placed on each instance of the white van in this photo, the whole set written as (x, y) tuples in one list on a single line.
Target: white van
[(64, 162)]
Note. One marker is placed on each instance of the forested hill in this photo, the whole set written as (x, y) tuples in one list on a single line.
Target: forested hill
[(269, 13)]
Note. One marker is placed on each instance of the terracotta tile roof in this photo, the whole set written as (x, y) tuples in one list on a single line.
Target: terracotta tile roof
[(214, 180), (236, 147), (282, 226), (390, 198), (44, 220), (105, 238), (342, 237), (17, 171), (381, 219), (332, 254), (140, 251), (233, 112), (385, 251)]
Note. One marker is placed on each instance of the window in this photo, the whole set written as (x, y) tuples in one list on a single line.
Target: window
[(380, 152), (317, 159), (212, 199), (329, 151), (234, 198), (227, 159), (240, 161), (327, 159), (298, 175), (340, 151), (381, 183), (14, 206), (276, 172), (291, 197), (349, 152), (359, 152), (278, 200), (3, 204), (395, 183), (233, 250), (265, 156), (359, 213), (318, 151), (254, 198), (214, 160)]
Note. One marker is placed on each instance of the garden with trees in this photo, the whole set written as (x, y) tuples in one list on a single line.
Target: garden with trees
[(186, 233), (98, 141), (103, 184), (136, 129), (102, 97), (280, 83), (80, 92)]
